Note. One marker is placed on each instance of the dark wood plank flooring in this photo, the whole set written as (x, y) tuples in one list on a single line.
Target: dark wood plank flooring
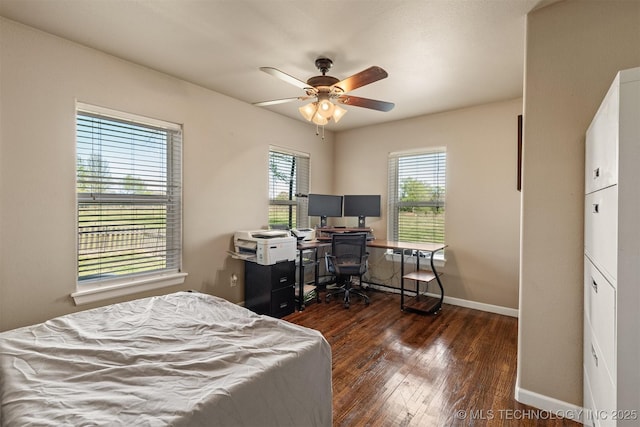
[(392, 368)]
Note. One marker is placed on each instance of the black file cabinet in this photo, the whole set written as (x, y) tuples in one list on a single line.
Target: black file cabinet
[(269, 289)]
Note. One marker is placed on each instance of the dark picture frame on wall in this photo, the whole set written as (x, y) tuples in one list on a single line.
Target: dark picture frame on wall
[(519, 176)]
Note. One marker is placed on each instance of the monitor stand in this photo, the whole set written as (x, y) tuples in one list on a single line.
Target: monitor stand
[(361, 221), (323, 221)]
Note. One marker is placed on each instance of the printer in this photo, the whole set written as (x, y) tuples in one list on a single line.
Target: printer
[(304, 234), (268, 246)]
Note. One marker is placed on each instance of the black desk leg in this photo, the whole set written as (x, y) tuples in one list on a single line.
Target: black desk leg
[(437, 307), (301, 282), (316, 274), (401, 279)]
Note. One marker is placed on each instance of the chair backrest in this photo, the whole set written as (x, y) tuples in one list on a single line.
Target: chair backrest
[(348, 248)]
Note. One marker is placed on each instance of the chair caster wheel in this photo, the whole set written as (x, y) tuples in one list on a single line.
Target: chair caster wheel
[(346, 305)]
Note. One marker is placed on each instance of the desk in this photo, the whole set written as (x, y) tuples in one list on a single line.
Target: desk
[(306, 246), (323, 239), (418, 275)]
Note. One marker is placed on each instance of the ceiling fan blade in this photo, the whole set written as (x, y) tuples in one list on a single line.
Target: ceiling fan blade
[(366, 103), (370, 75), (285, 77), (280, 101)]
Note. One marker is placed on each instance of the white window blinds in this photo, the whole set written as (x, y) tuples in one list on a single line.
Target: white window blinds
[(288, 189), (417, 192), (129, 196)]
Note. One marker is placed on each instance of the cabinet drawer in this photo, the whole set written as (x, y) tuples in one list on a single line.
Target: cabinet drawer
[(601, 154), (603, 392), (282, 301), (283, 274), (600, 310), (601, 229)]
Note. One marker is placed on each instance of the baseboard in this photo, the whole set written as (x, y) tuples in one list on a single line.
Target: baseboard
[(549, 404), (497, 309), (490, 308)]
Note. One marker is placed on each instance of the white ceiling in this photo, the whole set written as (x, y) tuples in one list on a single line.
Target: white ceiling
[(440, 54)]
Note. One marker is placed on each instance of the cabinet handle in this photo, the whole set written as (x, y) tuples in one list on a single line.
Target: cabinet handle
[(596, 208), (595, 356), (594, 285), (283, 279), (596, 173), (283, 304)]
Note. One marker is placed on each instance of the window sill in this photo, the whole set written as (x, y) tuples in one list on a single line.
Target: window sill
[(93, 293), (438, 259)]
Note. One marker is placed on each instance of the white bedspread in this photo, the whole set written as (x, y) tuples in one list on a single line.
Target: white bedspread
[(184, 359)]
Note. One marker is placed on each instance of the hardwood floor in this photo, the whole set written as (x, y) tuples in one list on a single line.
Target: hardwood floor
[(392, 368)]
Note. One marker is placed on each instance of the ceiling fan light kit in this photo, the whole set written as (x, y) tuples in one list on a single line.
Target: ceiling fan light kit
[(308, 110), (338, 113), (328, 91), (325, 107)]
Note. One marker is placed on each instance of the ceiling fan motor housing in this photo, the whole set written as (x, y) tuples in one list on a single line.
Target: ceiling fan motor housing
[(324, 65), (323, 82), (319, 81)]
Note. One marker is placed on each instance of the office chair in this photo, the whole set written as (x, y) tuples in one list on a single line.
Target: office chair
[(348, 258)]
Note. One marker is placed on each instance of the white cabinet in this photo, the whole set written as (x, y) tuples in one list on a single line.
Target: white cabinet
[(612, 258)]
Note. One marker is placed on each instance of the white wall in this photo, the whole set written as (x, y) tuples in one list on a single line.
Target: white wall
[(482, 202), (574, 49), (226, 145)]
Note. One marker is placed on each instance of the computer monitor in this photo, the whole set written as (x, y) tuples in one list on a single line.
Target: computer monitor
[(362, 206), (325, 205)]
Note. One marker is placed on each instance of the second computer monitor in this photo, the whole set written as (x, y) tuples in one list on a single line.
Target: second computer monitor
[(325, 205), (362, 206)]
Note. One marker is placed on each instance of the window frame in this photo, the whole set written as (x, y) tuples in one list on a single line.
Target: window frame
[(394, 187), (96, 289), (298, 187)]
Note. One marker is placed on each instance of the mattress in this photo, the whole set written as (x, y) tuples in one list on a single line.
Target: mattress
[(184, 359)]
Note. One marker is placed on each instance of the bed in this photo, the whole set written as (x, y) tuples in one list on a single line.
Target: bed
[(183, 359)]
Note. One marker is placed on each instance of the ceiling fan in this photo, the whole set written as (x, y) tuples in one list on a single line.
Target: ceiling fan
[(324, 89)]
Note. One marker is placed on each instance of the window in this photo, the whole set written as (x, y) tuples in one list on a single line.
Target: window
[(288, 189), (128, 201), (417, 196)]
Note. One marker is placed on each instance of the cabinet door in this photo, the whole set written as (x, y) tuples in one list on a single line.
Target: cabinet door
[(602, 388), (587, 403), (601, 154), (600, 311), (601, 230)]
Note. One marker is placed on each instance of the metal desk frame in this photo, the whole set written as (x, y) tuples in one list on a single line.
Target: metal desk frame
[(432, 248), (305, 246)]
